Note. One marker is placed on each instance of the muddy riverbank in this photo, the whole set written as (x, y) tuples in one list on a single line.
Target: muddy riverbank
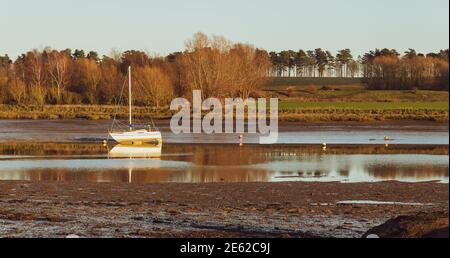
[(58, 209)]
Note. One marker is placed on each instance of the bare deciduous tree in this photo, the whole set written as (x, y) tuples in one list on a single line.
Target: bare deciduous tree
[(88, 76), (17, 90), (220, 69), (154, 85), (59, 69)]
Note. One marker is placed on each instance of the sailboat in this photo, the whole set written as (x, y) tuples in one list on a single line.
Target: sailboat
[(134, 136)]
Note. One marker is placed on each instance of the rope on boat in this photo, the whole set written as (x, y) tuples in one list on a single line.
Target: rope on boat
[(118, 103)]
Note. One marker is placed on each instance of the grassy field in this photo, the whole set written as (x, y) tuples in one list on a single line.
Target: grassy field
[(347, 99), (354, 93), (359, 115)]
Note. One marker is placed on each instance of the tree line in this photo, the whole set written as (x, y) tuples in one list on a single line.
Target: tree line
[(314, 63), (386, 70), (382, 69), (216, 66)]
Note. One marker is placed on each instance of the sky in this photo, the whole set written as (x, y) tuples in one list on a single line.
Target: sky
[(162, 27)]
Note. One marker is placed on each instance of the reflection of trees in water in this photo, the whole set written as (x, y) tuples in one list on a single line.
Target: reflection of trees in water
[(202, 175), (389, 172), (225, 162), (303, 174), (75, 175), (344, 173), (145, 176), (217, 155)]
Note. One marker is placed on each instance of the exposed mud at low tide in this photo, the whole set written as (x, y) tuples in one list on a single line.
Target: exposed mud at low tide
[(43, 209)]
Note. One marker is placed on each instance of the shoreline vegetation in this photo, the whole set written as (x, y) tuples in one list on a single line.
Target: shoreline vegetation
[(326, 103), (312, 114), (300, 100)]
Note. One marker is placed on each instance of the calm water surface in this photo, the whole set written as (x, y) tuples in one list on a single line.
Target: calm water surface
[(64, 151), (348, 133), (194, 163)]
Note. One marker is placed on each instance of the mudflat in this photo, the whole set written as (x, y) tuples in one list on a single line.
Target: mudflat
[(289, 209)]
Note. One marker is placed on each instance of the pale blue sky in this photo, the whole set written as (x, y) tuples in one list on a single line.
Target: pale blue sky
[(162, 27)]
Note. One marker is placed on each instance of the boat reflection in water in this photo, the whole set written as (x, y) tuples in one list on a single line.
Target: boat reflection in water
[(135, 151), (145, 151)]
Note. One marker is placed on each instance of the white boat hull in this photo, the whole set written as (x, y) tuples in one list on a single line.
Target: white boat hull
[(137, 137)]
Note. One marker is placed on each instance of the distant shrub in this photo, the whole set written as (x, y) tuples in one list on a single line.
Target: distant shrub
[(37, 95), (327, 88), (17, 91), (312, 89), (72, 98), (52, 96), (255, 95), (290, 91)]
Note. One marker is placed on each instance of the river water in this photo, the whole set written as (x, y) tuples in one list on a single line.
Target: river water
[(72, 151)]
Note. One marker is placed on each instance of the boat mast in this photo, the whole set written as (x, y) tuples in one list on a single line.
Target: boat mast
[(129, 95)]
